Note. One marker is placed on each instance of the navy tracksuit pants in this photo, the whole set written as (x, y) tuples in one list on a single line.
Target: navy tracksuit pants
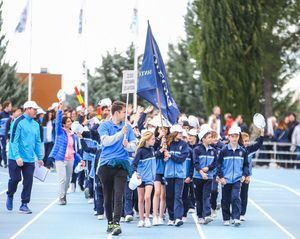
[(231, 195), (174, 190), (202, 193), (98, 197), (15, 177), (244, 197), (214, 194)]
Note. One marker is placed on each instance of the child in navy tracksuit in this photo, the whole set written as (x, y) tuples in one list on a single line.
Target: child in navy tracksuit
[(145, 165), (251, 150), (187, 181), (232, 170), (217, 145), (175, 156), (205, 158)]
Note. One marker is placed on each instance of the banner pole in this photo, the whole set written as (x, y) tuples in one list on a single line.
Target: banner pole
[(159, 107)]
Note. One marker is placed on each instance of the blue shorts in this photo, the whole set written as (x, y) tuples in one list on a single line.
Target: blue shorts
[(160, 178), (144, 184)]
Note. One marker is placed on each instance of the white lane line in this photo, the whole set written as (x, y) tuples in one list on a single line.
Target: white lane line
[(201, 233), (34, 219), (271, 219), (278, 185), (3, 192)]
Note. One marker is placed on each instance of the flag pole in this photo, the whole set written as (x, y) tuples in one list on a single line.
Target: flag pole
[(30, 50), (159, 107), (136, 57)]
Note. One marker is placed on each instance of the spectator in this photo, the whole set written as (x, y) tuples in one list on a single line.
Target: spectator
[(296, 143), (217, 115), (281, 136)]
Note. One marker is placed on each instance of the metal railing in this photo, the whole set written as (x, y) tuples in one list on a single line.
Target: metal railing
[(275, 156)]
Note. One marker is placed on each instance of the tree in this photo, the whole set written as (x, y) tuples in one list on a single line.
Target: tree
[(224, 38), (11, 88), (280, 38), (184, 80), (107, 80)]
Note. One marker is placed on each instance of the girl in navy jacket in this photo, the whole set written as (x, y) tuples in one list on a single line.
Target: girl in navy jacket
[(145, 165), (251, 150), (175, 156), (205, 158), (232, 170)]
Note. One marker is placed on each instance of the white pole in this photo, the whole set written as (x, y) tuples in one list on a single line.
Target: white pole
[(127, 99), (136, 57), (30, 47), (86, 88)]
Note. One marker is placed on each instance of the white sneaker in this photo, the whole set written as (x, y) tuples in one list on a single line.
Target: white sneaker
[(170, 223), (242, 218), (141, 223), (160, 221), (226, 223), (122, 219), (184, 219), (237, 222), (178, 222), (208, 220), (91, 201), (95, 213), (100, 217), (129, 218), (213, 213), (155, 221), (191, 210), (147, 222), (201, 220), (71, 188)]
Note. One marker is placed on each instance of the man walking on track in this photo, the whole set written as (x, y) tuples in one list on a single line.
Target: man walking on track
[(25, 143), (117, 140)]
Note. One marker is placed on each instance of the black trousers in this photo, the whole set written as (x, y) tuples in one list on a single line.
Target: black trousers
[(113, 182)]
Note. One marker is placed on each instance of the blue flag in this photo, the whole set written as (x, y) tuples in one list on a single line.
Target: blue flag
[(153, 77), (23, 19)]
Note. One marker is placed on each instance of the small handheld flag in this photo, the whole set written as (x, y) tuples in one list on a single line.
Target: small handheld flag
[(79, 97)]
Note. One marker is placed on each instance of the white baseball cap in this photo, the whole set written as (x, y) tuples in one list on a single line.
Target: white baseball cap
[(134, 181), (40, 111), (54, 105), (105, 102), (234, 130), (193, 121), (30, 104), (192, 132), (204, 130), (176, 128)]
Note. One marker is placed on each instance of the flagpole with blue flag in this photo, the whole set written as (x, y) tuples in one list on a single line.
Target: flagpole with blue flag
[(153, 82), (21, 27)]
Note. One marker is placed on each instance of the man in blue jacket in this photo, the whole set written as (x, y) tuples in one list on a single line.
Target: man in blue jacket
[(25, 145)]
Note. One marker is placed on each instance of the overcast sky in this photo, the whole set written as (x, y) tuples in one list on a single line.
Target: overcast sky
[(57, 46)]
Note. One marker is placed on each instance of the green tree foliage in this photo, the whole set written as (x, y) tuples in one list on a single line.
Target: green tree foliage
[(280, 46), (183, 79), (224, 38), (107, 80), (11, 87)]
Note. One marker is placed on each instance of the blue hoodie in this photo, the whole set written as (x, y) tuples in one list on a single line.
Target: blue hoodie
[(252, 149), (145, 164), (232, 164), (204, 158), (175, 166)]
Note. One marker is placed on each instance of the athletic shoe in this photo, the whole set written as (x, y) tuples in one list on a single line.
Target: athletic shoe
[(117, 229), (100, 217), (147, 222), (170, 223), (191, 210), (9, 203), (91, 201), (129, 218), (122, 219), (243, 218), (71, 189), (24, 209), (178, 223), (155, 221), (110, 227), (208, 220), (141, 223), (184, 219), (213, 213), (237, 222), (201, 220), (160, 221), (226, 223)]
